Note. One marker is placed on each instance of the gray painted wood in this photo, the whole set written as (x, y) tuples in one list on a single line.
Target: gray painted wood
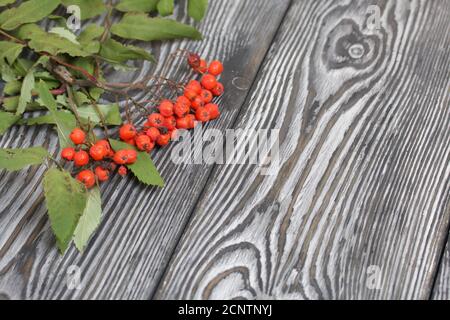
[(441, 289), (362, 187), (141, 225)]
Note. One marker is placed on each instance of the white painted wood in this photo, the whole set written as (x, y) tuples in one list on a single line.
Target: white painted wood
[(364, 174), (129, 252)]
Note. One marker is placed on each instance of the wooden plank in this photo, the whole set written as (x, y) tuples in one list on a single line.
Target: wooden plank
[(140, 225), (441, 289), (359, 207)]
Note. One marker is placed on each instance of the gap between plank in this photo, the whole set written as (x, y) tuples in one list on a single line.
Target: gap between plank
[(441, 257), (214, 167)]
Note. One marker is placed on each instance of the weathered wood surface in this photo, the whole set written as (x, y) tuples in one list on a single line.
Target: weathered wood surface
[(141, 226), (441, 289), (364, 177)]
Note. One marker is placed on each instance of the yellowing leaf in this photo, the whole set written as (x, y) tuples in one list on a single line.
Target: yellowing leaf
[(66, 200)]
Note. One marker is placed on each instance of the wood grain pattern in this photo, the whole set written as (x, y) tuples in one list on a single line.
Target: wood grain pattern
[(441, 289), (363, 184), (141, 226)]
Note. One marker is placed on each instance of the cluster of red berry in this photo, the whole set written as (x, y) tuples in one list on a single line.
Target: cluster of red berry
[(106, 160), (195, 105)]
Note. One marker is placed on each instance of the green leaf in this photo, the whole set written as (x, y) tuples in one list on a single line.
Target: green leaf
[(22, 66), (139, 26), (9, 51), (144, 168), (5, 2), (137, 5), (110, 112), (88, 38), (66, 200), (28, 11), (65, 33), (25, 92), (165, 7), (7, 72), (64, 123), (91, 32), (88, 8), (12, 87), (89, 220), (10, 104), (17, 159), (114, 51), (7, 119), (42, 41), (197, 9)]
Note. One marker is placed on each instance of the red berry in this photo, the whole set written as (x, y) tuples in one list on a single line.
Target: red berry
[(218, 89), (81, 158), (101, 173), (206, 96), (98, 152), (195, 85), (191, 121), (193, 60), (105, 144), (208, 81), (190, 93), (68, 153), (213, 110), (77, 136), (156, 120), (131, 142), (182, 100), (144, 143), (164, 139), (170, 122), (183, 123), (122, 171), (197, 103), (202, 114), (87, 177), (215, 68), (127, 132), (121, 157), (153, 133), (166, 108), (181, 109), (203, 66), (131, 156), (112, 166)]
